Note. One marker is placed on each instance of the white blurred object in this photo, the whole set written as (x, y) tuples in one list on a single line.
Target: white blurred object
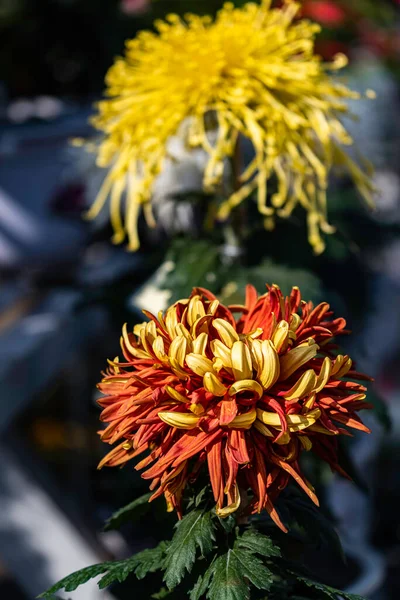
[(150, 296), (39, 545)]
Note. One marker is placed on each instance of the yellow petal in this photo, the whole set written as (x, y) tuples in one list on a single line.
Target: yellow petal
[(246, 385), (300, 422), (241, 361), (226, 332), (309, 403), (228, 510), (175, 395), (296, 358), (280, 335), (303, 387), (284, 439), (255, 334), (256, 355), (263, 429), (268, 418), (159, 350), (244, 421), (200, 344), (137, 352), (178, 349), (181, 330), (270, 365), (179, 420), (199, 364), (222, 352), (195, 310), (197, 409), (305, 442), (171, 321), (324, 375), (294, 322), (212, 309), (295, 422), (214, 385), (320, 429)]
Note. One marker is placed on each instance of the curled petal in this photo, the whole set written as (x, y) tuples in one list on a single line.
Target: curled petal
[(246, 385), (213, 384), (179, 420), (296, 358), (244, 421), (199, 364)]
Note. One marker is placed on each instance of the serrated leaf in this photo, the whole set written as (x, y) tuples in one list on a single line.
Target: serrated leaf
[(233, 572), (147, 561), (228, 524), (127, 513), (329, 592), (229, 576), (196, 530), (202, 584), (258, 543)]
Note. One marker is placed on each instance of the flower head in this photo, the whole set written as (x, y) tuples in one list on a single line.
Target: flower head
[(242, 397), (251, 72)]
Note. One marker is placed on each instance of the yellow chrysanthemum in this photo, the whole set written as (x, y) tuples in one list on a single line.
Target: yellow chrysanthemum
[(252, 72)]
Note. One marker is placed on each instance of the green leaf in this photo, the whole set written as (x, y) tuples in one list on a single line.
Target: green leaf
[(229, 576), (127, 513), (228, 524), (202, 584), (329, 592), (147, 561), (232, 572), (257, 543), (163, 593), (196, 530)]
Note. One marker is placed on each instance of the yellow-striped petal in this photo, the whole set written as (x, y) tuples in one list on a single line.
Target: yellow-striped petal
[(159, 349), (263, 429), (246, 385), (178, 350), (226, 332), (137, 352), (179, 420), (296, 358), (228, 510), (214, 385), (212, 309), (222, 352), (305, 442), (324, 375), (244, 421), (294, 321), (280, 335), (241, 361), (171, 321), (270, 365), (175, 395), (197, 409), (195, 310), (199, 364), (181, 330), (200, 344), (303, 387)]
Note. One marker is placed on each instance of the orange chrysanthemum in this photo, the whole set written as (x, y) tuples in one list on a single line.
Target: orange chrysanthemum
[(242, 397)]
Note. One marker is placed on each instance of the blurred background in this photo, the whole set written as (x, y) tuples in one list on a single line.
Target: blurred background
[(66, 290)]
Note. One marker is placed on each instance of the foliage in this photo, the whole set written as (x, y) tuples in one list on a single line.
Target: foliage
[(206, 560)]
